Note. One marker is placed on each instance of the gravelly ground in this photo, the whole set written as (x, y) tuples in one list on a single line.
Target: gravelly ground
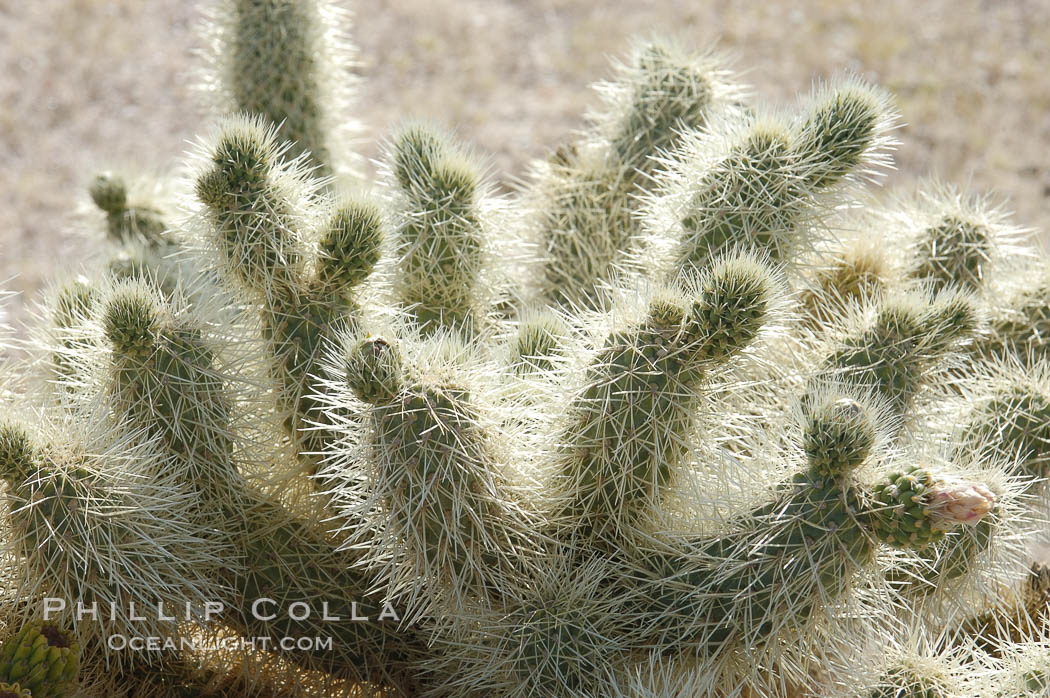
[(92, 84)]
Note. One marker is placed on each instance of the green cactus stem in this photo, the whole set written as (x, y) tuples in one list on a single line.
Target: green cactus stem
[(588, 191), (782, 563), (908, 336), (435, 476), (628, 425), (762, 191), (165, 383), (439, 232), (127, 222)]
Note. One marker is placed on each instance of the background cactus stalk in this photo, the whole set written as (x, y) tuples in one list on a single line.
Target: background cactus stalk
[(691, 414)]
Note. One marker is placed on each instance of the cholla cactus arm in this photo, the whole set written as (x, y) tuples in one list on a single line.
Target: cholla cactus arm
[(1024, 618), (88, 527), (161, 379), (301, 327), (446, 517), (843, 130), (782, 563), (664, 92), (749, 198), (770, 176), (259, 210), (439, 239), (1015, 425), (145, 246), (289, 62), (70, 308), (1021, 326), (583, 224), (127, 222), (909, 334), (349, 247), (586, 192), (958, 240), (164, 383), (253, 203), (629, 425), (913, 507)]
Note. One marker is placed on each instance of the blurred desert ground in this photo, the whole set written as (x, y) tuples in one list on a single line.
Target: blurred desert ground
[(87, 85)]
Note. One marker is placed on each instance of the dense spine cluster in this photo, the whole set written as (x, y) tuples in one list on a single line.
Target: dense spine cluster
[(681, 418)]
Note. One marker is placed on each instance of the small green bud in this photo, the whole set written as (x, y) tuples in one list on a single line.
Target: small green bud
[(350, 246), (539, 339), (213, 189), (131, 320), (109, 193), (124, 221), (374, 370), (16, 453), (839, 129), (898, 521), (731, 309), (665, 314), (838, 436), (955, 251), (913, 508)]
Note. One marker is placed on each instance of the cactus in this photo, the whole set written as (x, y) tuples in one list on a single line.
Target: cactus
[(42, 657), (8, 690), (687, 415), (289, 63), (584, 197), (440, 236)]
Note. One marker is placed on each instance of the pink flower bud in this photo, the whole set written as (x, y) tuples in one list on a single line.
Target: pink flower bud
[(959, 502)]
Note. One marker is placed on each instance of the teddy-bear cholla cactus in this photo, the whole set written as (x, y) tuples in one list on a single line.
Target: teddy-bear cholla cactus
[(678, 491)]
